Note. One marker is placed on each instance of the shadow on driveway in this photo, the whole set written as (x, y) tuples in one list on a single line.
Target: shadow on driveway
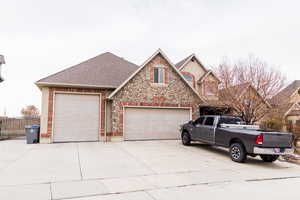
[(252, 161)]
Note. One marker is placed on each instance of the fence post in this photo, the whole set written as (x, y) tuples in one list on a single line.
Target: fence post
[(0, 126)]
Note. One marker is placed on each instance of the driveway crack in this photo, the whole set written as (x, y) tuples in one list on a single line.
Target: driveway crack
[(150, 195), (79, 163)]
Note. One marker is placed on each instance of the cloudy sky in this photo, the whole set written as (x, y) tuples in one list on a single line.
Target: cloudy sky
[(39, 37)]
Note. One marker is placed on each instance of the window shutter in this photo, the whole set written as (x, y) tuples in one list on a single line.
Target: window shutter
[(148, 73)]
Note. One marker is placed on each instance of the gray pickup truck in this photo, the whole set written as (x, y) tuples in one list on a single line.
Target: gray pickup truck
[(242, 140)]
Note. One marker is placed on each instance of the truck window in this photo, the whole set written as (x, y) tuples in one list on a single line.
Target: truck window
[(199, 121), (230, 120), (209, 121)]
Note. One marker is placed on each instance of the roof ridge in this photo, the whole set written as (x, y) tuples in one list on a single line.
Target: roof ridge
[(181, 62)]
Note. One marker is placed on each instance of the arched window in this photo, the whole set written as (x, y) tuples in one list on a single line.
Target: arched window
[(189, 78)]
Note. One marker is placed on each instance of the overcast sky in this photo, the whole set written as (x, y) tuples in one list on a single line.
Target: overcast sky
[(39, 38)]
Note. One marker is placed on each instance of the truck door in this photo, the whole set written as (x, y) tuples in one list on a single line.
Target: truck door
[(197, 130), (208, 130)]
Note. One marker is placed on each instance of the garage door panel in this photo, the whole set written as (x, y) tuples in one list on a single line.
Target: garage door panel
[(76, 117), (154, 123)]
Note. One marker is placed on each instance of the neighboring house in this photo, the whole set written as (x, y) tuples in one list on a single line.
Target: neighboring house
[(287, 103), (2, 61), (108, 98), (244, 99)]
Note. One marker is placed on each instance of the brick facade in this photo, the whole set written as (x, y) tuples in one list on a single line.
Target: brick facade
[(141, 91), (52, 91)]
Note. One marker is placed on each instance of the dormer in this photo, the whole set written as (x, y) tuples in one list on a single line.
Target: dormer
[(209, 86), (192, 70)]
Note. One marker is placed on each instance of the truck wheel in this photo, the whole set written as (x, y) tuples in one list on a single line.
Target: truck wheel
[(186, 139), (237, 153), (269, 158)]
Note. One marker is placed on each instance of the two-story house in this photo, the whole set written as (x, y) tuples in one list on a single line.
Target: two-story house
[(2, 61), (107, 98)]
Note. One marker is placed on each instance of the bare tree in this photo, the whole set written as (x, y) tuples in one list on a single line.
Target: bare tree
[(247, 85), (30, 112)]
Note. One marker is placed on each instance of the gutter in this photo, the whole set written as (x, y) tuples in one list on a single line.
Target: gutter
[(47, 84)]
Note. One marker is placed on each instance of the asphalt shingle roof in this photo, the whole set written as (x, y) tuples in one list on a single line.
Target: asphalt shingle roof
[(180, 63), (285, 94), (104, 70)]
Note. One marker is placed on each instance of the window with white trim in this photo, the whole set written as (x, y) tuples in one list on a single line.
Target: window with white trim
[(159, 75), (189, 78)]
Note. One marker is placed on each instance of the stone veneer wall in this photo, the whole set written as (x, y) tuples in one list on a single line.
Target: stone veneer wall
[(210, 82), (141, 91), (47, 136)]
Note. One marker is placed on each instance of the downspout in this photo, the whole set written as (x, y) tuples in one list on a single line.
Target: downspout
[(105, 107)]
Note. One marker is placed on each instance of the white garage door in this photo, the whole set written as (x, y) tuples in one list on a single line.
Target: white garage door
[(76, 118), (154, 123)]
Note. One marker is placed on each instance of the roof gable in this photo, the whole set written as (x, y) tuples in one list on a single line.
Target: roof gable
[(181, 64), (292, 109), (105, 70), (206, 75), (158, 52), (285, 93)]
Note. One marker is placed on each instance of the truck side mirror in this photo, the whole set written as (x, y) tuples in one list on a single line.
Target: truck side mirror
[(191, 122)]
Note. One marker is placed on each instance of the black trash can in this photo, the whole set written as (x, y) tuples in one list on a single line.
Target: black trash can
[(32, 134)]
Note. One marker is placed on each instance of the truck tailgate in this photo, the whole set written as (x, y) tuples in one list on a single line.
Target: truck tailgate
[(277, 139)]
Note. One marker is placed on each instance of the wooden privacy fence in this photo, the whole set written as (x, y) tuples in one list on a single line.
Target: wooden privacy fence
[(13, 127)]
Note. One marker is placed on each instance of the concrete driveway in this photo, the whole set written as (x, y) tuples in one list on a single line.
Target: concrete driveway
[(147, 170)]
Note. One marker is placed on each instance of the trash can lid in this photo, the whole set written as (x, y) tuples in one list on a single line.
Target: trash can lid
[(32, 126)]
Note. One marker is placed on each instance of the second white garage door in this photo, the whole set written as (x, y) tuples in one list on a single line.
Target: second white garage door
[(154, 123), (76, 118)]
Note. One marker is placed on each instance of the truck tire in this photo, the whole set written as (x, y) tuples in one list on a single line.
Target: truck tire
[(237, 153), (269, 158), (186, 139)]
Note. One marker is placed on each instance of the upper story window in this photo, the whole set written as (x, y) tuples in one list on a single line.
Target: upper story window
[(211, 88), (189, 78), (159, 75)]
